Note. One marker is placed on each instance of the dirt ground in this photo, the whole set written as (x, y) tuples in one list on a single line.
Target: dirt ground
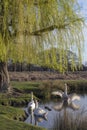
[(44, 75)]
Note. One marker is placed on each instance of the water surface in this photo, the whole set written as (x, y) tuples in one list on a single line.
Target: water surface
[(58, 108)]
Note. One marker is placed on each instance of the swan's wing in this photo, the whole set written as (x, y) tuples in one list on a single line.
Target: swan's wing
[(41, 111), (58, 107), (74, 96), (31, 103), (57, 93), (74, 106)]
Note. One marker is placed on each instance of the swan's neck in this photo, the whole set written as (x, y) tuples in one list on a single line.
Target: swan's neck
[(36, 104), (31, 96), (65, 89)]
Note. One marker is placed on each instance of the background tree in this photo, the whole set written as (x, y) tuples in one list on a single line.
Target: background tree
[(30, 27)]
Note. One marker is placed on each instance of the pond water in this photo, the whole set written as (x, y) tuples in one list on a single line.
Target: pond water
[(76, 109)]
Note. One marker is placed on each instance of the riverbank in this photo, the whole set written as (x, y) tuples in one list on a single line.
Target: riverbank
[(20, 95), (42, 84), (8, 124), (11, 118)]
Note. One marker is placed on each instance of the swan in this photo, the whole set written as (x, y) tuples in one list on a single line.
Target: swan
[(65, 96), (39, 111), (31, 104), (63, 104)]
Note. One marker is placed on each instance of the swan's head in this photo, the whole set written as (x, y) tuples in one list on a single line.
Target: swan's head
[(31, 95), (65, 89), (65, 86)]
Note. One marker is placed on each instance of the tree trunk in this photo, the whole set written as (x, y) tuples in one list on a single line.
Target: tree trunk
[(4, 78)]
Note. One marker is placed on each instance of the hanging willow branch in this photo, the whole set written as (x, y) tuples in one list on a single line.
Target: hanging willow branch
[(41, 32), (53, 27)]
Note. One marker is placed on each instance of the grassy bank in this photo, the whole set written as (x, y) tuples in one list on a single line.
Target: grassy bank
[(8, 124), (21, 94), (15, 99), (36, 86), (12, 113), (41, 89), (11, 119)]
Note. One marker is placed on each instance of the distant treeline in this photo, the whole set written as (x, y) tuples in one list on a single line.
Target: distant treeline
[(31, 67), (26, 67)]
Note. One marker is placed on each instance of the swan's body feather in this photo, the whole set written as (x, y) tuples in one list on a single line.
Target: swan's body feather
[(58, 93), (31, 104), (65, 96), (39, 111)]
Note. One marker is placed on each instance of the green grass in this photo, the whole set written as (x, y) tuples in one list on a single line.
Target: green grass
[(80, 85), (43, 89), (8, 124), (22, 90), (21, 94), (12, 113), (35, 86), (10, 119), (23, 86), (15, 100)]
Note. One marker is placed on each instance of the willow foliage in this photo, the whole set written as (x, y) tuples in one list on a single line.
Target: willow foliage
[(30, 30)]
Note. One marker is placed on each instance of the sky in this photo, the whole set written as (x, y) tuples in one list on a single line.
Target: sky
[(83, 5)]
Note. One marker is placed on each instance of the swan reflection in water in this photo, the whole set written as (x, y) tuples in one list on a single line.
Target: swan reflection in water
[(65, 96), (67, 99), (35, 113), (32, 119), (64, 104), (64, 118)]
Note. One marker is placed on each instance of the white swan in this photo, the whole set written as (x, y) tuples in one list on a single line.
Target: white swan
[(65, 96), (63, 104), (39, 111), (31, 105)]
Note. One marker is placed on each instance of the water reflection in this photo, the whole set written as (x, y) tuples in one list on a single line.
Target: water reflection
[(39, 119), (32, 119), (65, 96), (64, 104), (62, 112), (66, 120)]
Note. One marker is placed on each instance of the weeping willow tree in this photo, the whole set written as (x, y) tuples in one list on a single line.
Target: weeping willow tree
[(30, 30)]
